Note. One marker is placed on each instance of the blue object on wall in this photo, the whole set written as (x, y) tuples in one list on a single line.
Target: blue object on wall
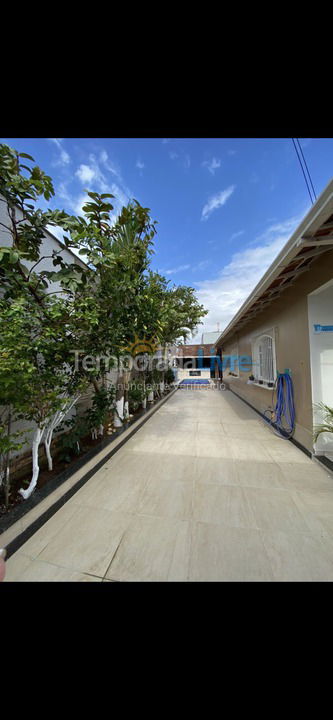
[(323, 328)]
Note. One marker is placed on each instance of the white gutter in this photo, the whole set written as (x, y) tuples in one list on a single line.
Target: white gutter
[(316, 216)]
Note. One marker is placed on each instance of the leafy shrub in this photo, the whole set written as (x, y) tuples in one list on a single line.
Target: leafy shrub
[(102, 405), (136, 395), (70, 443), (327, 425), (169, 376)]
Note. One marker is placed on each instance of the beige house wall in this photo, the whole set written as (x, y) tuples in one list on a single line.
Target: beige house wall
[(288, 317)]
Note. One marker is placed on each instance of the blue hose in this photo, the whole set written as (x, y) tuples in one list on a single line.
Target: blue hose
[(284, 411), (285, 406)]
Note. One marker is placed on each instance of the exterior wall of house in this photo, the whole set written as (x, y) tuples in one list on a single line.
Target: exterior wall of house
[(287, 317), (320, 304), (185, 373), (189, 361), (49, 244)]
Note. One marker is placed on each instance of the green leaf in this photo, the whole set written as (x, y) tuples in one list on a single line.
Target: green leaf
[(25, 155)]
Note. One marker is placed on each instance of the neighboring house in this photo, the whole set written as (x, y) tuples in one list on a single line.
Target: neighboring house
[(197, 361), (287, 323), (48, 245)]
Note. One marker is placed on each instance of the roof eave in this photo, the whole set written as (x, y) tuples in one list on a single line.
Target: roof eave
[(312, 221)]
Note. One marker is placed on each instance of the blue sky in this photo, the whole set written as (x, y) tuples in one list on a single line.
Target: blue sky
[(224, 206)]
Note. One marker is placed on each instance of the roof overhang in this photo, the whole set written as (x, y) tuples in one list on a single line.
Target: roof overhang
[(312, 238)]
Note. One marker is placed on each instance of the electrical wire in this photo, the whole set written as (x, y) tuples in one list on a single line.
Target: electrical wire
[(307, 169), (305, 178)]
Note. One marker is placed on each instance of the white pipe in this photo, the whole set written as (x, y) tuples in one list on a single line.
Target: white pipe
[(126, 409)]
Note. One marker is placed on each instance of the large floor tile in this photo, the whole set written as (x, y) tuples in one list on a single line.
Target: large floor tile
[(16, 565), (284, 451), (228, 554), (213, 446), (120, 493), (251, 473), (171, 467), (276, 510), (153, 549), (247, 450), (222, 505), (211, 428), (48, 531), (40, 571), (216, 470), (167, 498), (88, 542), (185, 445), (317, 509), (305, 476), (254, 431), (296, 557)]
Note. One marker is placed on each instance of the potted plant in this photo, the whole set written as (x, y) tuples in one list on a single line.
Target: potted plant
[(327, 425), (251, 377)]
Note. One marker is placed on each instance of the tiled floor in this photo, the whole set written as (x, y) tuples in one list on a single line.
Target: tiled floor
[(204, 491)]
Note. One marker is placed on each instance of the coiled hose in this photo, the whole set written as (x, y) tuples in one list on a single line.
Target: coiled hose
[(283, 416)]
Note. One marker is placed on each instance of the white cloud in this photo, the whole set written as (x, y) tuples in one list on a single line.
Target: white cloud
[(103, 156), (64, 157), (212, 164), (176, 269), (187, 162), (95, 179), (224, 295), (201, 265), (232, 152), (173, 155), (236, 235), (140, 164), (216, 201), (85, 173)]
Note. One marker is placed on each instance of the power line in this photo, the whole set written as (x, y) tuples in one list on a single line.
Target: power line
[(309, 176), (305, 178)]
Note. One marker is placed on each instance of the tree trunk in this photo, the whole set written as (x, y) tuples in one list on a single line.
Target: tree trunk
[(144, 401), (7, 469), (35, 467), (56, 420), (127, 376), (47, 445), (118, 415)]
